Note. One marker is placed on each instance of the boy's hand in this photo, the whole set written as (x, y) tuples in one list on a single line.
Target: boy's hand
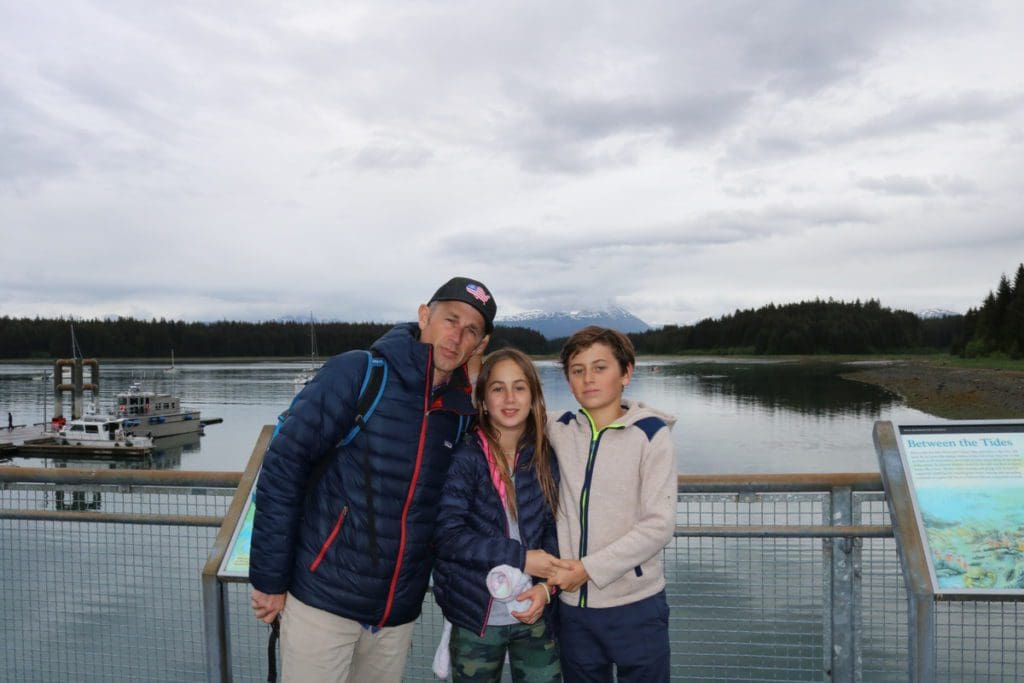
[(535, 594), (540, 563), (570, 575)]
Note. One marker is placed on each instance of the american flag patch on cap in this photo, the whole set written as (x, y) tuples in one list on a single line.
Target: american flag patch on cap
[(478, 292)]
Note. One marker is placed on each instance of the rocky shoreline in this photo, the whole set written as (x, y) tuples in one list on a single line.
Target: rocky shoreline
[(948, 392)]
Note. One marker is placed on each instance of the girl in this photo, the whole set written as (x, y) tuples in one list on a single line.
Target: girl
[(497, 509)]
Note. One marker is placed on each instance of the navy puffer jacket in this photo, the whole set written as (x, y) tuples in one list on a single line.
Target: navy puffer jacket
[(317, 543), (472, 532)]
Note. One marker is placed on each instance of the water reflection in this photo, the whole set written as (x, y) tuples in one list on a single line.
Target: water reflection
[(733, 416), (809, 388)]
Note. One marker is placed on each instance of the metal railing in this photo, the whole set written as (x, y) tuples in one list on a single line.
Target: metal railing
[(99, 572), (782, 577)]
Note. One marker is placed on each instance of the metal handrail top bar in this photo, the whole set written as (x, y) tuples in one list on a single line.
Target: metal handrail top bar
[(49, 475), (111, 518), (787, 531), (688, 483), (789, 483)]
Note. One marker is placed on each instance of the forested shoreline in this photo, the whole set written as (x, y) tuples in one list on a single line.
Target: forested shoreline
[(805, 328), (48, 338), (996, 328)]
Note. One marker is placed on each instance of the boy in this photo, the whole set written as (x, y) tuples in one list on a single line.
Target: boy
[(617, 513)]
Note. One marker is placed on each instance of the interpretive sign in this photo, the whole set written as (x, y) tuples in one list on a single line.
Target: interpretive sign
[(236, 559), (967, 485)]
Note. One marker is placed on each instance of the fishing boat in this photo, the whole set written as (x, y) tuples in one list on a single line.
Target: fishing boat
[(100, 430), (153, 414), (307, 374)]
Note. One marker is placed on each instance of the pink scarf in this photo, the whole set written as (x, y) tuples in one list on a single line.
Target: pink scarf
[(492, 465)]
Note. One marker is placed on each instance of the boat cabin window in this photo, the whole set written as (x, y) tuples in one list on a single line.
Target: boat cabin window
[(77, 428), (132, 405), (92, 429)]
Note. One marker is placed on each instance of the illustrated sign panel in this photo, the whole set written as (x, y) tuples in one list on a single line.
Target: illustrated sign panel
[(967, 484), (236, 560)]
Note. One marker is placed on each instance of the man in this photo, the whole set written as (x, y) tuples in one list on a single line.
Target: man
[(344, 556)]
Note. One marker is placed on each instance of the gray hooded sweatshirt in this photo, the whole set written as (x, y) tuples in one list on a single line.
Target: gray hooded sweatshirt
[(617, 502)]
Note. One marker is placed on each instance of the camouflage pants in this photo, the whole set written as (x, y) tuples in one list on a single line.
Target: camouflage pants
[(532, 654)]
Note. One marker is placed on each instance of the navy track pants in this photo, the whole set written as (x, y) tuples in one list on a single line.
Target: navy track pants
[(633, 638)]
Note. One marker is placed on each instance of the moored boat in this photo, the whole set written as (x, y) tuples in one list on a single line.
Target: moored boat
[(153, 414), (100, 430)]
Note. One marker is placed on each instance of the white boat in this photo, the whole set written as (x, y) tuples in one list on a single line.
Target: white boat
[(307, 375), (148, 413), (100, 430)]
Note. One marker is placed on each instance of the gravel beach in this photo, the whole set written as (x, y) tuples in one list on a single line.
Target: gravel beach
[(952, 393)]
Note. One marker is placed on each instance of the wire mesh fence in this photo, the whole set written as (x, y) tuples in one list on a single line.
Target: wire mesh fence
[(114, 601), (90, 601)]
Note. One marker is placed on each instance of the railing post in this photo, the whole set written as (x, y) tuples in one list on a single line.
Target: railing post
[(215, 598), (910, 546), (846, 656), (921, 637), (215, 625)]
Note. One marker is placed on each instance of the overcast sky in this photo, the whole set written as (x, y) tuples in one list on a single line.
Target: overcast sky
[(250, 160)]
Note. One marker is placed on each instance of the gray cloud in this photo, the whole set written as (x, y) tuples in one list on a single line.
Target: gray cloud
[(916, 116), (34, 145), (898, 185), (688, 158), (560, 132), (913, 117), (715, 229)]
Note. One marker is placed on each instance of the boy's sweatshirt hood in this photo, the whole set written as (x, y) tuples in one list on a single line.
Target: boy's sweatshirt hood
[(635, 411)]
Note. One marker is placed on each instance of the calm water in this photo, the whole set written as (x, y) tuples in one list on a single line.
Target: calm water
[(733, 416)]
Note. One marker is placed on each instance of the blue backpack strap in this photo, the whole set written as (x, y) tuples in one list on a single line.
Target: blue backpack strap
[(370, 392)]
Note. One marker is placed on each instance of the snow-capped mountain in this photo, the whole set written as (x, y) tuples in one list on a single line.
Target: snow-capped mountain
[(930, 313), (564, 323)]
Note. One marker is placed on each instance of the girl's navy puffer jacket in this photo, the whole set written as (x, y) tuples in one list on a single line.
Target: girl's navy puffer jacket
[(358, 541), (472, 532)]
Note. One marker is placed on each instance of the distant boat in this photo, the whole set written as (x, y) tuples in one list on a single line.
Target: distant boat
[(151, 414), (171, 370), (307, 375)]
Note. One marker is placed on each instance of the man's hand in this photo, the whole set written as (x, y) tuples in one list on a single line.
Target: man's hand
[(267, 605), (540, 563), (569, 575), (538, 601)]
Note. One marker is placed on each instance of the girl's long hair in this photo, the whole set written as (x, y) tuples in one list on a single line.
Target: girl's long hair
[(533, 434)]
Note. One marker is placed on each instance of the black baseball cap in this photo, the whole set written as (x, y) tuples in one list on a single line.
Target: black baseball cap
[(472, 292)]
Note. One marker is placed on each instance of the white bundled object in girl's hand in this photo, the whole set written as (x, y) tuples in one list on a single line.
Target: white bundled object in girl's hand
[(505, 582), (443, 658)]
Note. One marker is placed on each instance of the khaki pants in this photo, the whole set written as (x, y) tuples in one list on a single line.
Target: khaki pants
[(320, 646)]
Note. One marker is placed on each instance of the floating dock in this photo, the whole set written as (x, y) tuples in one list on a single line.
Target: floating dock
[(32, 441)]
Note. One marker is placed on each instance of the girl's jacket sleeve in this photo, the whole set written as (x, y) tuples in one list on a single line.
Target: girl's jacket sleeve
[(464, 530)]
